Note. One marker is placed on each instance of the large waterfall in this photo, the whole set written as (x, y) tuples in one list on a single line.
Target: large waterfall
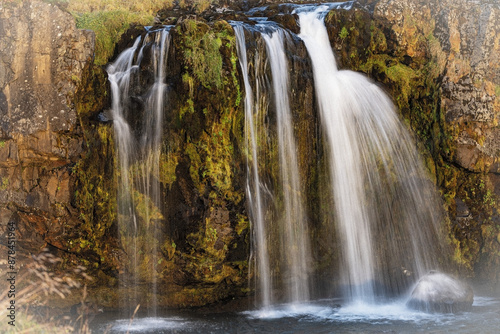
[(386, 213)]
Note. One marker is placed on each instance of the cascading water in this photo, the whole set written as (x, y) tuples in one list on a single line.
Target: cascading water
[(386, 214), (253, 179), (119, 74), (380, 199), (294, 243), (293, 249), (138, 156)]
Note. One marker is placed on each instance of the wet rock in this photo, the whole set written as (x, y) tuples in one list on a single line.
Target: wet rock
[(463, 45), (439, 293)]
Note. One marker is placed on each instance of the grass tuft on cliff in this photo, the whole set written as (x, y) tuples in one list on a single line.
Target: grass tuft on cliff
[(109, 19), (108, 27)]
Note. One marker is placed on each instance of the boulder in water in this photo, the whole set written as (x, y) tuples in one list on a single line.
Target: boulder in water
[(440, 293)]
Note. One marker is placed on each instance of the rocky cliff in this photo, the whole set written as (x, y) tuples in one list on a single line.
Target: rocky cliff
[(42, 59), (57, 160), (461, 40)]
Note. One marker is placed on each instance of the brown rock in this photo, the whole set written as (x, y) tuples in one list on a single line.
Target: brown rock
[(42, 58)]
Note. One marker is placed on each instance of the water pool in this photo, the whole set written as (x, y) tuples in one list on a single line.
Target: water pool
[(324, 316)]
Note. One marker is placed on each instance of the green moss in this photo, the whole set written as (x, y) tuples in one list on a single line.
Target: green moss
[(188, 107), (399, 76), (343, 33), (169, 247), (195, 165), (242, 224), (219, 156), (235, 82), (94, 188), (201, 52), (168, 163), (4, 183), (378, 41), (145, 208), (210, 63)]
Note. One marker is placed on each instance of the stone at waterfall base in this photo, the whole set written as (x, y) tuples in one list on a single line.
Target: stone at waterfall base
[(440, 293)]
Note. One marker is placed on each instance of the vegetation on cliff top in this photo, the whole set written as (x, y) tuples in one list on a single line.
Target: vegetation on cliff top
[(109, 19)]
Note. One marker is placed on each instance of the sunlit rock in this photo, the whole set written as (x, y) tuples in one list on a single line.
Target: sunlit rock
[(437, 292)]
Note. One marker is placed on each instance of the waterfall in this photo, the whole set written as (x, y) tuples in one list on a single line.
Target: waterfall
[(253, 180), (386, 214), (119, 74), (294, 241), (139, 153), (293, 251), (385, 211)]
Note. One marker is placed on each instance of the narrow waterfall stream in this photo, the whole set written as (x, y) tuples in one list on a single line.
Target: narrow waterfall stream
[(293, 249), (253, 180), (139, 155), (294, 241)]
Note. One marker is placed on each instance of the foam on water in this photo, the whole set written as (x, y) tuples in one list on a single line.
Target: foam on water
[(396, 311), (321, 316), (148, 324), (350, 313), (484, 301), (288, 311)]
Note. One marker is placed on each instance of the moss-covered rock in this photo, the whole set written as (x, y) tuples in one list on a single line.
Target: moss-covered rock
[(193, 243)]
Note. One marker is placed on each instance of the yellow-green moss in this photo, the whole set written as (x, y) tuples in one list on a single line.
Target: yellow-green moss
[(242, 224), (145, 209), (168, 163), (4, 183), (94, 188), (211, 152), (201, 52)]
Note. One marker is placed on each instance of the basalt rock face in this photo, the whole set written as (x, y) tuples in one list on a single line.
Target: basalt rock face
[(42, 58), (462, 39)]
